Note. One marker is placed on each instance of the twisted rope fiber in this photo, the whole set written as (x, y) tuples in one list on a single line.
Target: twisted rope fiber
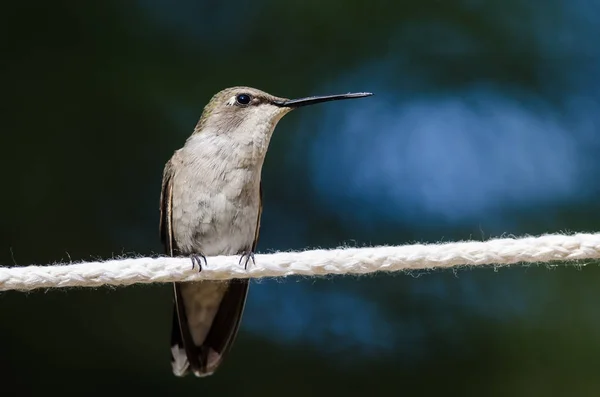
[(127, 271)]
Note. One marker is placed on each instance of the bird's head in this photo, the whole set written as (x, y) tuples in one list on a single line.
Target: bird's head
[(248, 116), (251, 108)]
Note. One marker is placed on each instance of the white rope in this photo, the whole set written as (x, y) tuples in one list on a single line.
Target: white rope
[(127, 271)]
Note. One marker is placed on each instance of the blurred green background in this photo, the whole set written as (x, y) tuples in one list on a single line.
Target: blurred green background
[(486, 121)]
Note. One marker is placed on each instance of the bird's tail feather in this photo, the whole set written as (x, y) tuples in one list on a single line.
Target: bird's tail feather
[(206, 319)]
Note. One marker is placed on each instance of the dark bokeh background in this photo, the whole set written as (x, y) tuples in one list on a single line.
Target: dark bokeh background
[(486, 121)]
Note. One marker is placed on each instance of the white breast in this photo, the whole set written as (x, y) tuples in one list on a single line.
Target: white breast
[(215, 201)]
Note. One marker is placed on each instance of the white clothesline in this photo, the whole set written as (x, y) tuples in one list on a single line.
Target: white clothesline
[(127, 271)]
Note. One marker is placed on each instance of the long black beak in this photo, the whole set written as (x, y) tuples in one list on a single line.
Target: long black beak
[(311, 100)]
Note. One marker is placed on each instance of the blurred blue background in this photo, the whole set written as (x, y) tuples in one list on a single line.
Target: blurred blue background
[(486, 121)]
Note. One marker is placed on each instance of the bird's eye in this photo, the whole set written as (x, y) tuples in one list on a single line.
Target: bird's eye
[(243, 99)]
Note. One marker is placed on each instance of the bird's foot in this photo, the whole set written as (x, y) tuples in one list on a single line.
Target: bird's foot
[(197, 260), (245, 258)]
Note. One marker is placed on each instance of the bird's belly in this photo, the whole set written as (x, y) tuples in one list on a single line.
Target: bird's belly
[(215, 225)]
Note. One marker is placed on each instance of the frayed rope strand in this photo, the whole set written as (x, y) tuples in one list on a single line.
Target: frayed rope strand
[(127, 271)]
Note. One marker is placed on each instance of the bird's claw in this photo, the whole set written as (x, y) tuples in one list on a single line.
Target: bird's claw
[(246, 256), (197, 260)]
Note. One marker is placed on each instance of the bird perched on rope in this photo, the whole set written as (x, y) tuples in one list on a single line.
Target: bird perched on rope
[(211, 204)]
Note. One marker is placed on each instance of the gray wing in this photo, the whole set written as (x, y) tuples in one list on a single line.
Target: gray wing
[(260, 208), (181, 345), (166, 206), (183, 349)]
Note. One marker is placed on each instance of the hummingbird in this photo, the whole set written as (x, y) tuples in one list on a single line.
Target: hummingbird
[(211, 204)]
